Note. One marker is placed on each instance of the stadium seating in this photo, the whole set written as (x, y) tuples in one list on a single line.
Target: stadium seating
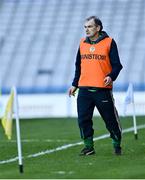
[(39, 41)]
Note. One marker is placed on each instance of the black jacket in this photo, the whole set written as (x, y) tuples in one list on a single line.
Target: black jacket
[(114, 60)]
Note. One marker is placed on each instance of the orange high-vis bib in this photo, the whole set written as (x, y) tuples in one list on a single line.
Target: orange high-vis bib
[(95, 63)]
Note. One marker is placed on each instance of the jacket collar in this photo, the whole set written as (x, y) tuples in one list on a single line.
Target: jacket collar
[(102, 36)]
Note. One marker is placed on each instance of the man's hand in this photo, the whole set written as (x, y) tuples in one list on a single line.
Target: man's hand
[(107, 80), (72, 91)]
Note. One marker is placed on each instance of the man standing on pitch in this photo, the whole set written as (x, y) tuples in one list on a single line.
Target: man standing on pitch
[(97, 66)]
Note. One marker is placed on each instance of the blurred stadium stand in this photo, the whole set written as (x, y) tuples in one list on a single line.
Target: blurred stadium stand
[(39, 41)]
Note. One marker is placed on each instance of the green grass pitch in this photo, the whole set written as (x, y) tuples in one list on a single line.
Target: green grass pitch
[(41, 135)]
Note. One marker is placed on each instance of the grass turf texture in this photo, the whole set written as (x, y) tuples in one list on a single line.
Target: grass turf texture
[(67, 164)]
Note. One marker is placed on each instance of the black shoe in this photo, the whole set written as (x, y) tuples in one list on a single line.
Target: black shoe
[(117, 150), (87, 151)]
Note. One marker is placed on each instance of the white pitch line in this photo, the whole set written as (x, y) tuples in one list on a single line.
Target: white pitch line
[(60, 148)]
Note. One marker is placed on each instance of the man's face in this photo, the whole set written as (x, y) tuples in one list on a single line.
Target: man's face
[(90, 28)]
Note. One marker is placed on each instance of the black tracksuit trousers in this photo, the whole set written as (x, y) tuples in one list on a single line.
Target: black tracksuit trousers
[(102, 99)]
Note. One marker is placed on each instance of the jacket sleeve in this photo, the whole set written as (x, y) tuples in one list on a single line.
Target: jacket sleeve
[(77, 69), (115, 61)]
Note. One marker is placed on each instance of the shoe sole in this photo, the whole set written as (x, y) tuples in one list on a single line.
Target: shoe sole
[(87, 154), (90, 153)]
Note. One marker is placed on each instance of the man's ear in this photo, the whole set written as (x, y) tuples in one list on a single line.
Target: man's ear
[(98, 28)]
